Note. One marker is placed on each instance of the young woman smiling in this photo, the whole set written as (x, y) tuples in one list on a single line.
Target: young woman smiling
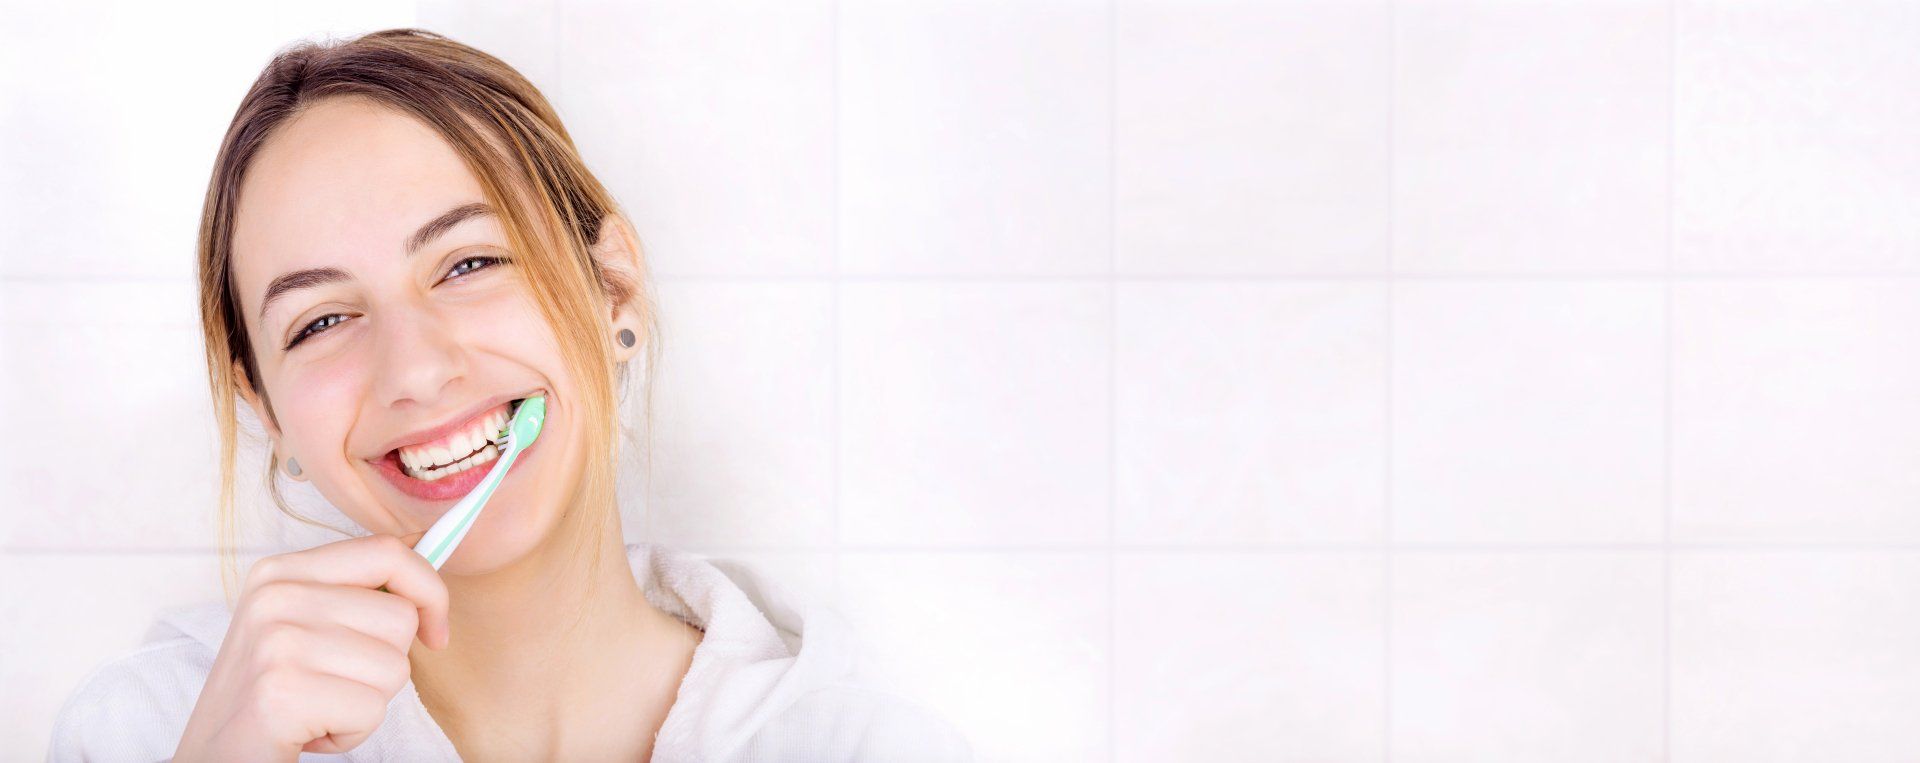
[(399, 240)]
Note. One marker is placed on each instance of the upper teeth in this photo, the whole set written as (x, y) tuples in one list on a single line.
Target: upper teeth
[(458, 445)]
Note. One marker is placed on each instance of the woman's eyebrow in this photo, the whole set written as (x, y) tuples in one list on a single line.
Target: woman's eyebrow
[(299, 279), (311, 277), (439, 225)]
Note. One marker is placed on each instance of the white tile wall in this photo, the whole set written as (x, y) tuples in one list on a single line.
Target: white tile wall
[(1527, 655), (1249, 655), (1531, 137), (1793, 137), (1795, 654), (712, 124), (1147, 380), (974, 413), (138, 344), (973, 137), (1250, 412), (1251, 138), (1794, 413), (1528, 411), (747, 358)]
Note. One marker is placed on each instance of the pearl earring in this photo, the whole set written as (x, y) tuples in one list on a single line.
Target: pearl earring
[(293, 468), (626, 337)]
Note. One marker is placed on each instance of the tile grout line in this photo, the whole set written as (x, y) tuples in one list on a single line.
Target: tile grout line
[(22, 279), (1666, 477), (1386, 473), (1113, 374), (1265, 549), (833, 290), (1654, 276)]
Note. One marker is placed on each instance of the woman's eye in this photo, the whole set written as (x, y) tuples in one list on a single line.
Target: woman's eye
[(320, 324), (484, 260)]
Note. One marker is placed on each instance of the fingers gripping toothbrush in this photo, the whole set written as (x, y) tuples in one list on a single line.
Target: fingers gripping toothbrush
[(445, 534)]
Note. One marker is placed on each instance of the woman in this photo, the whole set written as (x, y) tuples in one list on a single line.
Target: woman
[(399, 242)]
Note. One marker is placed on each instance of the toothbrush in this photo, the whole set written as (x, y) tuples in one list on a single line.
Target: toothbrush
[(445, 534)]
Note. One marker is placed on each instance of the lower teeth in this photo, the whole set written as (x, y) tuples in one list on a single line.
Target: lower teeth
[(481, 456)]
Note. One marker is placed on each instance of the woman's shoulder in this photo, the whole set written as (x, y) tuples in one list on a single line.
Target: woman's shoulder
[(860, 712), (135, 705), (779, 676), (848, 709)]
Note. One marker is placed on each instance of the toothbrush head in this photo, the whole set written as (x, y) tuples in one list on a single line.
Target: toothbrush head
[(523, 422), (527, 420)]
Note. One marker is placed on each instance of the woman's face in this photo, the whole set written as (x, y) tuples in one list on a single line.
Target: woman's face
[(389, 336)]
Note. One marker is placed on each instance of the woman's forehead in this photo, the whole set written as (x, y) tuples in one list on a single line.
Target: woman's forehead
[(344, 182)]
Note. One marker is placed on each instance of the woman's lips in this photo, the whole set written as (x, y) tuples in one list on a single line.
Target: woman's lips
[(446, 488), (443, 431)]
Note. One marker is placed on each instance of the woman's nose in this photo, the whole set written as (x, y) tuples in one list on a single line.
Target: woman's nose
[(419, 355)]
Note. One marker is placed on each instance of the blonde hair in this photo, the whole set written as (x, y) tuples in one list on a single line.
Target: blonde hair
[(549, 205)]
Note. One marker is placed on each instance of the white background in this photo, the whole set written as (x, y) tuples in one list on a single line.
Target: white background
[(1149, 381)]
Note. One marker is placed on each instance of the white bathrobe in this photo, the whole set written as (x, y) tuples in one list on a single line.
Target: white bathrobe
[(761, 686)]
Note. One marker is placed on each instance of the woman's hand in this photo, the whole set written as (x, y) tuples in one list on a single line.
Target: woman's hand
[(314, 652)]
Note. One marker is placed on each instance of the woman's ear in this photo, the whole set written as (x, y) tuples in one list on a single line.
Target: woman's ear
[(260, 410), (618, 254)]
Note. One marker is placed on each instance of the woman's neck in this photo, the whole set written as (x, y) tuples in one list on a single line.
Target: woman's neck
[(555, 659)]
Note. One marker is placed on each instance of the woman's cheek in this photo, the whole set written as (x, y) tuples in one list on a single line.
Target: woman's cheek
[(325, 401)]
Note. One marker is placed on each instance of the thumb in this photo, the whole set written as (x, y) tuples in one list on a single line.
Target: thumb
[(334, 744)]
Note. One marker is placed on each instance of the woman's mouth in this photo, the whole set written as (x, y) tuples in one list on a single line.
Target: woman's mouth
[(451, 466), (477, 444)]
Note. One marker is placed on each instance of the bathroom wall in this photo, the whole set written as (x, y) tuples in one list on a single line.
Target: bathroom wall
[(1419, 381)]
